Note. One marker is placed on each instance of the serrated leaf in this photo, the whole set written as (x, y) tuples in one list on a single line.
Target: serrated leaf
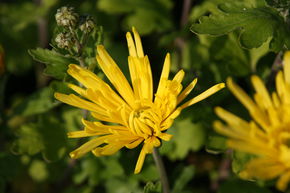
[(39, 102), (56, 64), (256, 25)]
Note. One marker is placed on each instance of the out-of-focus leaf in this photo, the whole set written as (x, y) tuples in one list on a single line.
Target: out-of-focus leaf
[(184, 177), (91, 170), (279, 3), (238, 186), (61, 87), (216, 143), (29, 12), (54, 138), (187, 136), (122, 185), (149, 173), (46, 136), (56, 64), (9, 166), (230, 58), (112, 168), (240, 159), (39, 102), (257, 24), (150, 187), (146, 16), (72, 118), (29, 140), (38, 171)]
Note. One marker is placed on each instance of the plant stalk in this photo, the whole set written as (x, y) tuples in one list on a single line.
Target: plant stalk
[(160, 166)]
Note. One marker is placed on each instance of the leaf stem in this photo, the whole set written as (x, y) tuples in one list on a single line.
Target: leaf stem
[(160, 166)]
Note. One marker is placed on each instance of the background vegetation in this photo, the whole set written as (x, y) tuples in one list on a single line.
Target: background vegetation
[(245, 38)]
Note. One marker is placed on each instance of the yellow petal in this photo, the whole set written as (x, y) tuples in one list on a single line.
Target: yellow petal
[(286, 61), (79, 134), (261, 90), (140, 160), (88, 146), (186, 91), (131, 45), (203, 95), (115, 75), (78, 102), (164, 74), (241, 95), (138, 43), (283, 181), (135, 143)]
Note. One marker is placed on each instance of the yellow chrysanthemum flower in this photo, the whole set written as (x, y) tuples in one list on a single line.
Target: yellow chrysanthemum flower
[(134, 114), (268, 135)]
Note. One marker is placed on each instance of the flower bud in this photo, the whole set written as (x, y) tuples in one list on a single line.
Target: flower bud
[(87, 24), (65, 16), (64, 40)]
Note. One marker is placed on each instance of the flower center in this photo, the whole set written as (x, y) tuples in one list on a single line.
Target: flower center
[(144, 122)]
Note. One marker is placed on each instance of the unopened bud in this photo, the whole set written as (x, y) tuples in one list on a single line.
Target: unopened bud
[(87, 24), (64, 40), (65, 16)]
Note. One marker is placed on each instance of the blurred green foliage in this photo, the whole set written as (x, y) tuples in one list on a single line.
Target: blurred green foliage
[(34, 147)]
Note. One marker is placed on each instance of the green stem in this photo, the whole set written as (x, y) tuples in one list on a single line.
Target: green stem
[(161, 170)]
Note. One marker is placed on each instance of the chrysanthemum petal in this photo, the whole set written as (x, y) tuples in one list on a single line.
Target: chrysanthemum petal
[(283, 181), (115, 75), (203, 95), (186, 91), (88, 146), (141, 159), (286, 61), (76, 101), (139, 47), (262, 91), (164, 74), (135, 143)]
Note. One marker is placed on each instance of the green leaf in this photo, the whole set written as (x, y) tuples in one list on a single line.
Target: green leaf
[(238, 186), (240, 159), (146, 16), (256, 25), (150, 187), (46, 136), (38, 171), (216, 143), (39, 102), (29, 141), (231, 59), (53, 136), (187, 136), (91, 168), (185, 176), (56, 64)]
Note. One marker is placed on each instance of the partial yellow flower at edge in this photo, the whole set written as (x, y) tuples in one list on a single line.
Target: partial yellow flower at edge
[(135, 114), (267, 135)]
